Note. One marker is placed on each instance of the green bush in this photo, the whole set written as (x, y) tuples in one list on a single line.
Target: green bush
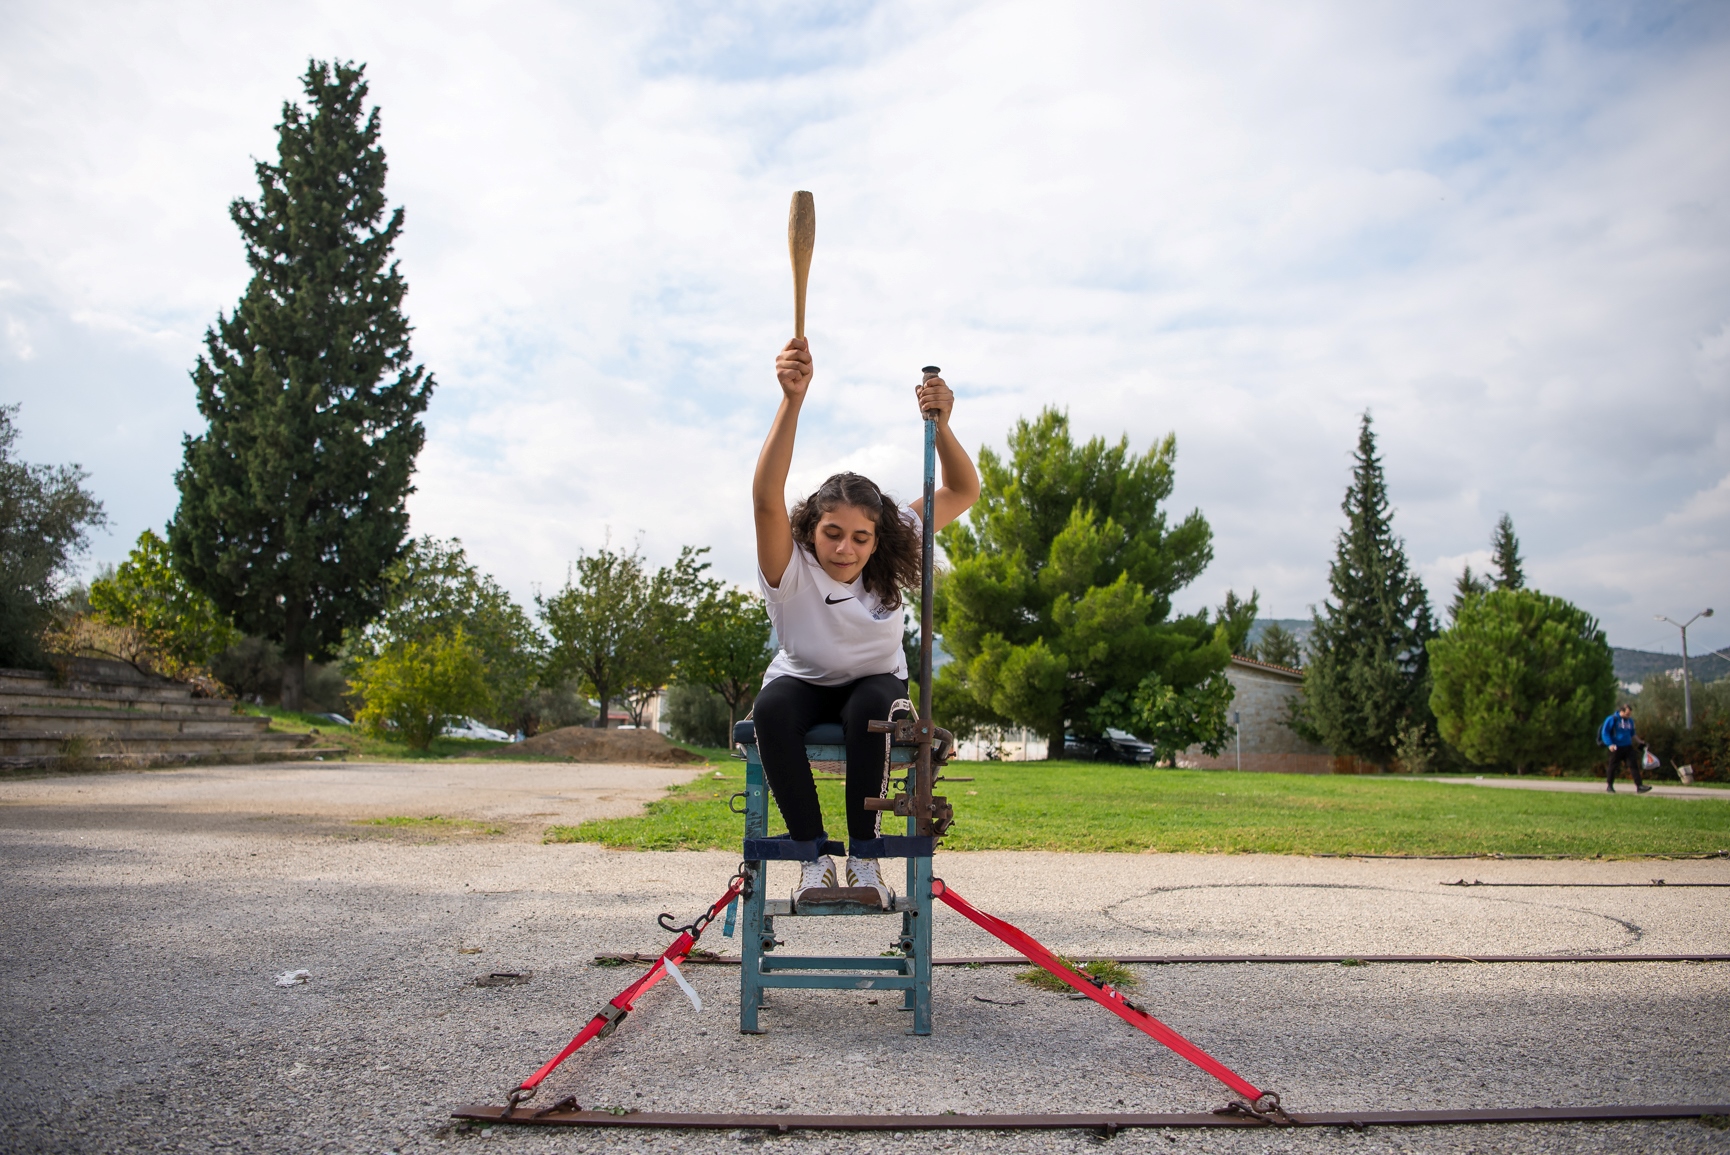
[(1522, 679), (698, 715), (179, 629), (1658, 719), (251, 668), (433, 589), (45, 518), (412, 689), (555, 707)]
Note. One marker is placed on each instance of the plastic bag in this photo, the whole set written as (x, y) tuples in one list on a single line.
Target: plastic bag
[(1649, 760)]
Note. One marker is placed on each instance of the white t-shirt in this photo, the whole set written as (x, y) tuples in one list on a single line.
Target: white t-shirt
[(831, 633)]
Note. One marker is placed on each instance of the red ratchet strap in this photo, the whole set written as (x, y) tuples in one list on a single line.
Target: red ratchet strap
[(1105, 995), (621, 1004)]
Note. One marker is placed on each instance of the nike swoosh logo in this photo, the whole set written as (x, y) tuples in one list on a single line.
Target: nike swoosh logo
[(836, 601)]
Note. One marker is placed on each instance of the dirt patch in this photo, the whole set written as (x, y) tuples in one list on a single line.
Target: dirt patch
[(583, 744)]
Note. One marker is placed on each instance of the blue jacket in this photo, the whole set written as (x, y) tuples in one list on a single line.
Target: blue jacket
[(1616, 731)]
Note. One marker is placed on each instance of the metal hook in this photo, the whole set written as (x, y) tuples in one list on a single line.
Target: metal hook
[(667, 926)]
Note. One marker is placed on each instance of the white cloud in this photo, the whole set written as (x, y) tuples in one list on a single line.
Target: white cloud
[(1500, 229)]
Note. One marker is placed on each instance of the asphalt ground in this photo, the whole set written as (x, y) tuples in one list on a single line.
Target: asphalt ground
[(145, 919)]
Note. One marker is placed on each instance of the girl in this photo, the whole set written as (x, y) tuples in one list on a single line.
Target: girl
[(832, 574)]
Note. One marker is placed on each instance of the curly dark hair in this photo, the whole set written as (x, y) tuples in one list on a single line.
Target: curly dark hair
[(894, 563)]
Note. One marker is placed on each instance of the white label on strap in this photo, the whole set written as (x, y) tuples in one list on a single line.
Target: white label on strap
[(678, 977)]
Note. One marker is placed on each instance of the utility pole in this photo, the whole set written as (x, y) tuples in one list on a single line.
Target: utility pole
[(1687, 696)]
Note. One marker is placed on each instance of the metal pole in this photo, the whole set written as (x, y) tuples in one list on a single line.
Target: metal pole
[(927, 562), (1687, 690), (1237, 725)]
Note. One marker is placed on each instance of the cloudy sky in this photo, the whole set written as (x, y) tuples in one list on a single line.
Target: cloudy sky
[(1503, 229)]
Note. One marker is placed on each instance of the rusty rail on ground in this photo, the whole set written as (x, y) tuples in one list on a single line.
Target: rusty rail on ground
[(1107, 1122), (1191, 959)]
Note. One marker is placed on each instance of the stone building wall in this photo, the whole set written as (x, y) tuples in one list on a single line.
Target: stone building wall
[(1262, 695)]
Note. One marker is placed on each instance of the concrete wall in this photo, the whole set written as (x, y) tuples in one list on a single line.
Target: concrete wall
[(1002, 745), (1262, 696)]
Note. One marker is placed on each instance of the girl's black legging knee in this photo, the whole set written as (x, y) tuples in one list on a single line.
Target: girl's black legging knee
[(786, 710)]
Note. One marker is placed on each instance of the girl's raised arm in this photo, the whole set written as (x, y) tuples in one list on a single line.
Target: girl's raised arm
[(959, 487), (769, 484)]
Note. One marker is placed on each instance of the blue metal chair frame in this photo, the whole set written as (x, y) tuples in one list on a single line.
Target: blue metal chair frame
[(762, 970), (927, 817)]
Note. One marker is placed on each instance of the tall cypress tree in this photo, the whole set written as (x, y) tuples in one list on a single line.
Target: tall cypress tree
[(292, 501), (1505, 553), (1368, 676)]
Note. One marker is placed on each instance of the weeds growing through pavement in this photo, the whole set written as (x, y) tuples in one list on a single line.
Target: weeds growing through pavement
[(1102, 970), (434, 822)]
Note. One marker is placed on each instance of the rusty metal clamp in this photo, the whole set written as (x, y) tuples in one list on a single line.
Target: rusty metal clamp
[(1266, 1108), (517, 1097)]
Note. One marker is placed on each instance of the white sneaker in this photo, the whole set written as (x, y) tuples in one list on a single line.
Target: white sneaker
[(817, 874), (865, 872)]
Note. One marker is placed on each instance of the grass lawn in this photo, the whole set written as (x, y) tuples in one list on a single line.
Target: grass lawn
[(1090, 806), (361, 745)]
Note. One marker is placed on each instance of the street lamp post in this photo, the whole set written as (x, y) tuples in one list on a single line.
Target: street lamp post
[(1236, 724), (1687, 697)]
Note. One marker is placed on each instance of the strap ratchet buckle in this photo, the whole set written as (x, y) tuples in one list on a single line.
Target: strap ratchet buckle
[(614, 1016)]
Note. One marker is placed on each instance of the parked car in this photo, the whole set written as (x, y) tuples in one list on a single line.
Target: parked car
[(337, 718), (1112, 746), (469, 728)]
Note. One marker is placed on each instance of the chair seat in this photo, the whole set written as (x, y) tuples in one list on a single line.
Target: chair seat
[(826, 734), (783, 908)]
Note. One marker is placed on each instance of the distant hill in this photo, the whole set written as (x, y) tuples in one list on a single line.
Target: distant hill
[(1638, 665), (1631, 665)]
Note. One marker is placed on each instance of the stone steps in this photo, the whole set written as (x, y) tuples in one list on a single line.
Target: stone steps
[(103, 713), (35, 695), (122, 724), (16, 744)]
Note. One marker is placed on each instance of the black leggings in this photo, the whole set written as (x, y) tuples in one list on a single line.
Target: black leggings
[(786, 710)]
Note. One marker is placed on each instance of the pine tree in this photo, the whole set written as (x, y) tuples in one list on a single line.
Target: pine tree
[(1522, 680), (292, 501), (1466, 587), (1368, 675), (1278, 646), (1237, 616), (1057, 603), (1505, 554)]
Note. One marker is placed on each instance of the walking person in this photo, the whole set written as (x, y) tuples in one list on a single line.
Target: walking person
[(1618, 734)]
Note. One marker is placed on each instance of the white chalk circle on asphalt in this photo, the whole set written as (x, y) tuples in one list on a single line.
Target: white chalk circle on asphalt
[(1345, 918)]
